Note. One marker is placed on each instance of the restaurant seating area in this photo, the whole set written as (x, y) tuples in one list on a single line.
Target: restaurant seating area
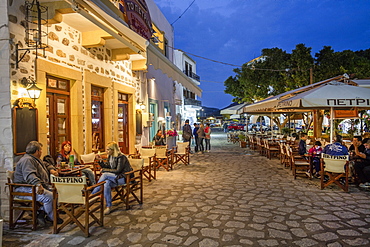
[(285, 149), (73, 197)]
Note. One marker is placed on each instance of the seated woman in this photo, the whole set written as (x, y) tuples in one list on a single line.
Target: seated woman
[(113, 172), (158, 139), (63, 156)]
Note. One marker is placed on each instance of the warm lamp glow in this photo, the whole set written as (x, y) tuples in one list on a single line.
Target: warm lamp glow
[(34, 91)]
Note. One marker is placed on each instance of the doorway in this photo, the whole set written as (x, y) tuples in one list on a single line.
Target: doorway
[(57, 114)]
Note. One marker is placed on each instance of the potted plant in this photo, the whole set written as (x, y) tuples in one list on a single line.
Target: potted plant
[(242, 140)]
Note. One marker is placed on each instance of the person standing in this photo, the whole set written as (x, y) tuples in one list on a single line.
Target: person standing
[(32, 170), (195, 135), (302, 148), (207, 137), (201, 136), (186, 133)]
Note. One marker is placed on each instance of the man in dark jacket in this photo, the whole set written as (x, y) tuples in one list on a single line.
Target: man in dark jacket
[(195, 134), (186, 133), (302, 148), (31, 169)]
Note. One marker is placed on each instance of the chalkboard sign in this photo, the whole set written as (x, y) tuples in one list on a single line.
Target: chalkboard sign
[(24, 128)]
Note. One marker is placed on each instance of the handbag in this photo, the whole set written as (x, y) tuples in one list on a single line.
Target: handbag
[(186, 136)]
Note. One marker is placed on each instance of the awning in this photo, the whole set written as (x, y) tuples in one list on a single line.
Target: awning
[(159, 61), (236, 109)]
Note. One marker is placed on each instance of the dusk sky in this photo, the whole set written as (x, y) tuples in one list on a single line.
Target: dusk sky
[(236, 31)]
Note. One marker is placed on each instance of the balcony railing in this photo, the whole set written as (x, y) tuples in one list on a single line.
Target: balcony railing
[(192, 75), (194, 102)]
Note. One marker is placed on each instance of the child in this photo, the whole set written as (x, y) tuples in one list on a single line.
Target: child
[(315, 151)]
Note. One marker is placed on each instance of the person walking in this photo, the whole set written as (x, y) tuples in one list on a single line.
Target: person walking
[(201, 136), (195, 135), (207, 137), (186, 133)]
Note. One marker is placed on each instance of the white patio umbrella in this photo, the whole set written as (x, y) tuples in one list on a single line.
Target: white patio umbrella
[(332, 95)]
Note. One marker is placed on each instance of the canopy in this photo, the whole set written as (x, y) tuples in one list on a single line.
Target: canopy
[(332, 95), (270, 104), (235, 109)]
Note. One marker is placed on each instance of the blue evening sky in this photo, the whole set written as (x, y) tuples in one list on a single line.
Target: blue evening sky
[(235, 32)]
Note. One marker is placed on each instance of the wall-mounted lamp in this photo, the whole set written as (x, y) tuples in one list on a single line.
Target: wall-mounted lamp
[(140, 105), (33, 91)]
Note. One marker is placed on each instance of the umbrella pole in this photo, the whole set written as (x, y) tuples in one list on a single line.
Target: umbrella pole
[(331, 124)]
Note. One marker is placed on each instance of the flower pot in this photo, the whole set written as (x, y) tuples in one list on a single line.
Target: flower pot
[(243, 144), (171, 142)]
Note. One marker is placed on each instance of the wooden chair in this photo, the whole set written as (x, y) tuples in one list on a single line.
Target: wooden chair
[(132, 190), (163, 158), (271, 150), (21, 206), (72, 195), (89, 160), (149, 171), (181, 153), (336, 168), (298, 166), (283, 156)]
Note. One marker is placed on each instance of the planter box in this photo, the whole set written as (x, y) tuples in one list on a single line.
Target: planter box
[(243, 144)]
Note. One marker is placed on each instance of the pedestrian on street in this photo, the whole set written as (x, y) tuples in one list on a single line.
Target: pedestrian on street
[(207, 137), (186, 133), (195, 136), (201, 136)]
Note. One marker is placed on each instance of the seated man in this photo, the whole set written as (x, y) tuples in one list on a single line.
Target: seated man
[(336, 148), (302, 148), (31, 169), (362, 167)]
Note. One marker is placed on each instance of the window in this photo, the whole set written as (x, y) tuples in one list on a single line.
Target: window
[(97, 100)]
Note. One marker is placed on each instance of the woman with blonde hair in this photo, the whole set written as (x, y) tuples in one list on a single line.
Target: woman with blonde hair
[(113, 172)]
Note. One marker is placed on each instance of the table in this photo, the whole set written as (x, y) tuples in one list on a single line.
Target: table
[(68, 172)]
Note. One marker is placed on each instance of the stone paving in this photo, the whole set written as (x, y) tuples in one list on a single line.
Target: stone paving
[(228, 197)]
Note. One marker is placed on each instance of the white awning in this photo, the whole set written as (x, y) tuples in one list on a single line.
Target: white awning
[(236, 109), (159, 61)]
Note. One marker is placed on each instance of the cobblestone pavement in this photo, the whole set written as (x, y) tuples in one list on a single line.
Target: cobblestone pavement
[(228, 197)]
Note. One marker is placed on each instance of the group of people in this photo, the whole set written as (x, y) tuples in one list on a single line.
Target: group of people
[(359, 153), (31, 169), (199, 134)]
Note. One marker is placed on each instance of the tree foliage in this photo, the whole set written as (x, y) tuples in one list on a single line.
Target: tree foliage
[(277, 71)]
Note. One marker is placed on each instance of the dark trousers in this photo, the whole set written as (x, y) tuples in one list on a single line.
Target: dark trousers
[(363, 171), (200, 144), (208, 143), (196, 144)]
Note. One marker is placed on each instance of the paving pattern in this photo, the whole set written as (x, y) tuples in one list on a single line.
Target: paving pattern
[(228, 197)]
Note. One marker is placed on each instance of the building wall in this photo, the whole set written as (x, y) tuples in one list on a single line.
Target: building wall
[(6, 135), (65, 58)]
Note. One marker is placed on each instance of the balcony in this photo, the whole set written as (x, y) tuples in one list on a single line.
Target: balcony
[(192, 75), (194, 102)]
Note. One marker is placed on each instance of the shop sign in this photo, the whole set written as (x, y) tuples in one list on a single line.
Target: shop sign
[(136, 14), (344, 114)]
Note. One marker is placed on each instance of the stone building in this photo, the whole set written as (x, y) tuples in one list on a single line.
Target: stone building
[(92, 67)]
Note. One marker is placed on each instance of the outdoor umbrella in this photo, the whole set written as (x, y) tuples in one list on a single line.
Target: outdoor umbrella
[(332, 95)]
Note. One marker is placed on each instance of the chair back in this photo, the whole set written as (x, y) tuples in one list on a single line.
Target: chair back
[(146, 154), (10, 176), (136, 164), (335, 163), (87, 158), (181, 147), (160, 153), (69, 189)]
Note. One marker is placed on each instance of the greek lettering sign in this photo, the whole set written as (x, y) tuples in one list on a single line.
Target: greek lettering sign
[(136, 14), (348, 102), (68, 180)]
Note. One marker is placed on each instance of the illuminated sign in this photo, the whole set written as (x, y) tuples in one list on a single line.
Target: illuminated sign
[(136, 14)]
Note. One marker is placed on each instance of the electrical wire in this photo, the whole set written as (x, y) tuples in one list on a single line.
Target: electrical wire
[(182, 13)]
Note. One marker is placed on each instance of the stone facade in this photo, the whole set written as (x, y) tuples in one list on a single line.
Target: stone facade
[(65, 57)]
